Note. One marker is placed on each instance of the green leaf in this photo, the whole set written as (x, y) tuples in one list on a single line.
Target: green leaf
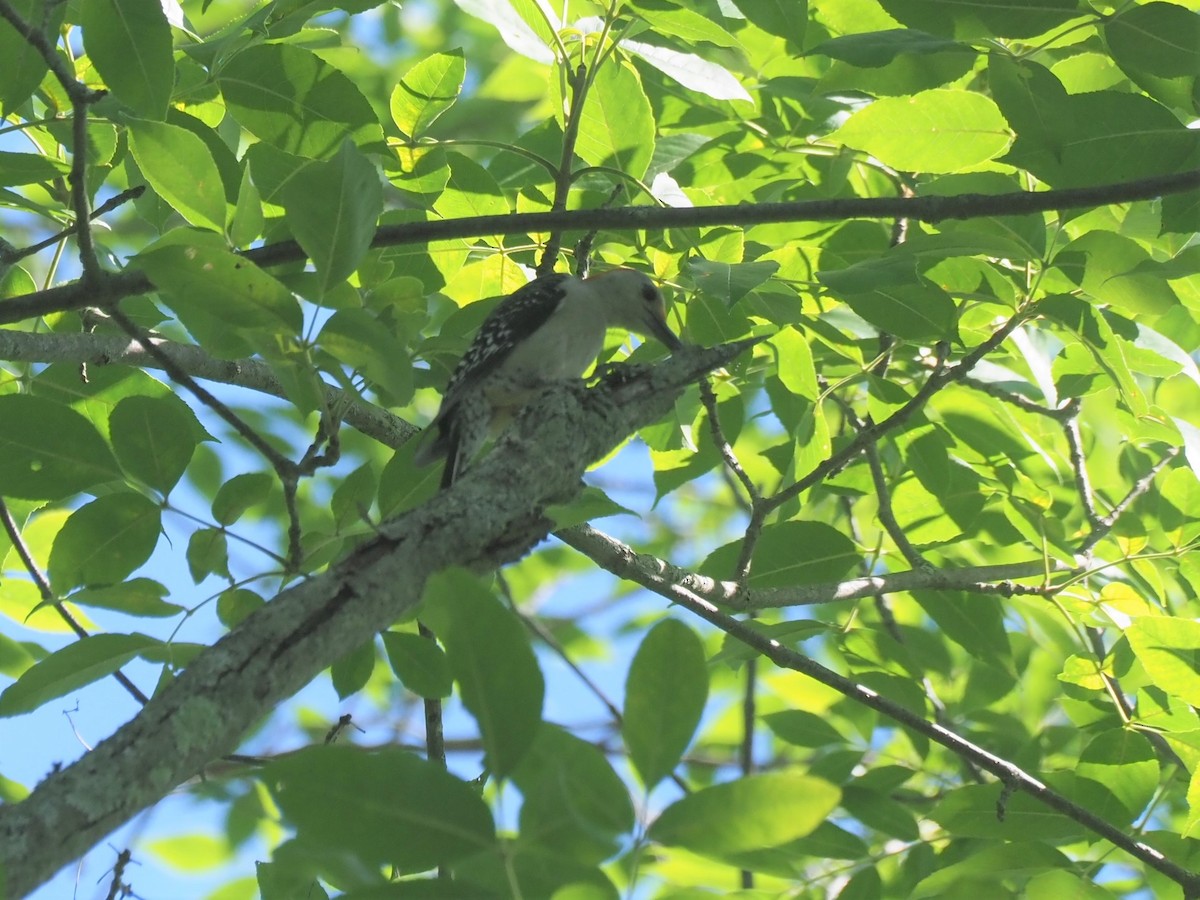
[(426, 91), (1124, 762), (687, 25), (591, 503), (203, 279), (181, 170), (29, 168), (934, 131), (970, 811), (129, 43), (235, 604), (135, 597), (789, 553), (914, 312), (1104, 346), (22, 67), (1106, 136), (756, 812), (332, 211), (74, 666), (1169, 649), (1160, 39), (1055, 884), (419, 663), (693, 72), (1013, 18), (352, 499), (522, 28), (880, 812), (207, 554), (617, 126), (103, 541), (787, 19), (359, 340), (794, 362), (573, 800), (48, 451), (665, 693), (248, 220), (192, 852), (294, 100), (154, 439), (471, 191), (351, 673), (240, 493), (980, 871), (730, 281), (974, 622), (386, 807), (874, 49), (803, 729), (494, 666)]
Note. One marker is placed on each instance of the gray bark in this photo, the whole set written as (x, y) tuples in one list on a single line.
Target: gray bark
[(492, 516)]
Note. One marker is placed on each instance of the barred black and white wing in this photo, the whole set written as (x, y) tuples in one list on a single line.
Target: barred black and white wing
[(514, 319)]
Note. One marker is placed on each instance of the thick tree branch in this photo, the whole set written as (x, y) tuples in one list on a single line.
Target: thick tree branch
[(491, 516), (114, 287)]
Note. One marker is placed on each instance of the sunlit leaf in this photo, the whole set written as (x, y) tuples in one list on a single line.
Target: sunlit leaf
[(129, 43), (934, 131), (753, 813), (293, 99)]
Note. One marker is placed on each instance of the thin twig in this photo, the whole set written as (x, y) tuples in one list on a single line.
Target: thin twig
[(1019, 400), (887, 517), (80, 199), (278, 461), (562, 176), (583, 247), (49, 597), (657, 574), (1083, 484), (709, 399), (746, 750), (1106, 523), (941, 376), (12, 255)]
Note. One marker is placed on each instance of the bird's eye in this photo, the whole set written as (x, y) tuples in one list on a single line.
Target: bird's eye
[(649, 293)]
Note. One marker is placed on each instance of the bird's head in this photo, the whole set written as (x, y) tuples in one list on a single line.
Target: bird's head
[(634, 302)]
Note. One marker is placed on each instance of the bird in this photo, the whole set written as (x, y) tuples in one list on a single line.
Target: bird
[(548, 330)]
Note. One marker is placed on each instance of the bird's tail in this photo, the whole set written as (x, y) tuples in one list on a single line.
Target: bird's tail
[(440, 439)]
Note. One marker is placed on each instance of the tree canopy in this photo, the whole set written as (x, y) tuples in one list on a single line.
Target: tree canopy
[(892, 594)]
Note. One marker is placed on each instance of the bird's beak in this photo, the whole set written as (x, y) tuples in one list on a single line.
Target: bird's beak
[(658, 329)]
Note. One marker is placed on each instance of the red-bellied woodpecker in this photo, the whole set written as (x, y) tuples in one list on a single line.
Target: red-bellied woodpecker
[(550, 330)]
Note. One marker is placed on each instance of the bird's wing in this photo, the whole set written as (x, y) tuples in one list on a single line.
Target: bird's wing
[(518, 315)]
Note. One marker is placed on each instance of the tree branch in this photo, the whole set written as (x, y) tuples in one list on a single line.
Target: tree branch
[(1011, 775), (253, 374), (113, 287), (658, 575), (491, 516)]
